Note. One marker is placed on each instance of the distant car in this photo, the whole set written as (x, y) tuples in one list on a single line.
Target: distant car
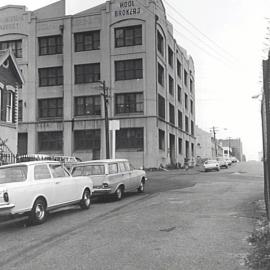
[(234, 160), (211, 165), (112, 176), (34, 188), (222, 162), (229, 161)]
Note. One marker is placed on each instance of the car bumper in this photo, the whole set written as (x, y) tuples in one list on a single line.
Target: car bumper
[(101, 191), (5, 209)]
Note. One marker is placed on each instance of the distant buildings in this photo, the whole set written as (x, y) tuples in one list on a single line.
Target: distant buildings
[(235, 145), (149, 81), (208, 148)]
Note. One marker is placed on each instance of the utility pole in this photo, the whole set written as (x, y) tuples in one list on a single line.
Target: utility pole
[(215, 142), (106, 101)]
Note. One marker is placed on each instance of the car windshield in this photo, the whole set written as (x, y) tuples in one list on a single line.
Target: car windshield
[(13, 174), (210, 161)]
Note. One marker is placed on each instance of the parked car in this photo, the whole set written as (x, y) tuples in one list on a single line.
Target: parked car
[(229, 161), (111, 176), (211, 165), (34, 188), (222, 162)]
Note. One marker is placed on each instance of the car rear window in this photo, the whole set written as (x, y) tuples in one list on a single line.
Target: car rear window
[(88, 170), (13, 174)]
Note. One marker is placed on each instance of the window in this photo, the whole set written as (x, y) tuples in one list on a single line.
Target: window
[(129, 103), (185, 77), (160, 74), (160, 43), (10, 97), (87, 105), (179, 68), (15, 45), (180, 119), (113, 168), (171, 85), (41, 172), (50, 76), (58, 171), (192, 127), (50, 45), (186, 101), (170, 56), (128, 36), (50, 141), (128, 69), (171, 108), (191, 85), (180, 147), (87, 73), (87, 41), (161, 139), (20, 110), (121, 167), (13, 174), (51, 107), (129, 138), (161, 107), (186, 124), (127, 165), (179, 93), (7, 106), (88, 139), (191, 106)]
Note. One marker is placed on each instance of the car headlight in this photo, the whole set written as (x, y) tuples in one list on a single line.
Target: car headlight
[(105, 185), (5, 196)]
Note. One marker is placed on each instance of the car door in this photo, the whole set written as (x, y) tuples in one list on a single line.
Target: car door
[(114, 175), (66, 189), (135, 177), (124, 176), (44, 183)]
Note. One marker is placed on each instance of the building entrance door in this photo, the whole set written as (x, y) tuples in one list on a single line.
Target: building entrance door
[(22, 143), (172, 149)]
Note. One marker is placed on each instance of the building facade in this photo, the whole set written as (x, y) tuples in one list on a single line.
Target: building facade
[(129, 45)]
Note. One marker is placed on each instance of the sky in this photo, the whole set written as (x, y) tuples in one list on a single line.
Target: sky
[(227, 41)]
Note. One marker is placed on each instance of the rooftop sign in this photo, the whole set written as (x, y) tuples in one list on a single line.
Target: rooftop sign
[(127, 8)]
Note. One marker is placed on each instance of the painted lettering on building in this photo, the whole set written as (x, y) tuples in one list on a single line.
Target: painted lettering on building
[(10, 23), (127, 8)]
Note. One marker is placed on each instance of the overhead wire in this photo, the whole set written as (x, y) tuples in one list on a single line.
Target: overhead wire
[(199, 31)]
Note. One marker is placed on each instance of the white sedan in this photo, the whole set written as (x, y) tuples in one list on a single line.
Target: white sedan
[(211, 165), (34, 188)]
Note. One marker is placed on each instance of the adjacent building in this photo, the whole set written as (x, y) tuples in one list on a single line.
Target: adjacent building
[(10, 81), (124, 50), (207, 147)]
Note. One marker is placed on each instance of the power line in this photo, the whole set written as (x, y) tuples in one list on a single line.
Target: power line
[(198, 30)]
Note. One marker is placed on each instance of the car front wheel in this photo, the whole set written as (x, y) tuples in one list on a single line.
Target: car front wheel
[(86, 200), (38, 213)]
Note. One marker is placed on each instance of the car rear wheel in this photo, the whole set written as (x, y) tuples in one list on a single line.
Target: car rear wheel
[(39, 212), (141, 187), (86, 199), (119, 193)]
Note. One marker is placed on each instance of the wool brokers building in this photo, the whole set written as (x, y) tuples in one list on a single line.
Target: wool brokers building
[(64, 59)]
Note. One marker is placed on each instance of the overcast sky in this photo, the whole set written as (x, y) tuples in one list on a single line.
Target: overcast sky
[(226, 39)]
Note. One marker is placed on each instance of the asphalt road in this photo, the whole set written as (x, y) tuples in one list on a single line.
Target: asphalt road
[(184, 220)]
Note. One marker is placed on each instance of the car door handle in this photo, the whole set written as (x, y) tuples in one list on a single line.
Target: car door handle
[(57, 182)]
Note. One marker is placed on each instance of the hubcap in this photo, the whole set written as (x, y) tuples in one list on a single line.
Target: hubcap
[(119, 193), (40, 212)]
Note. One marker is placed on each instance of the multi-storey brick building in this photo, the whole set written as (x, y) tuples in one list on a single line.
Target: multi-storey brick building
[(64, 59)]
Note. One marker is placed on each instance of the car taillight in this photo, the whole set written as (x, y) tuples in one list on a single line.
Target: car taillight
[(6, 198)]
